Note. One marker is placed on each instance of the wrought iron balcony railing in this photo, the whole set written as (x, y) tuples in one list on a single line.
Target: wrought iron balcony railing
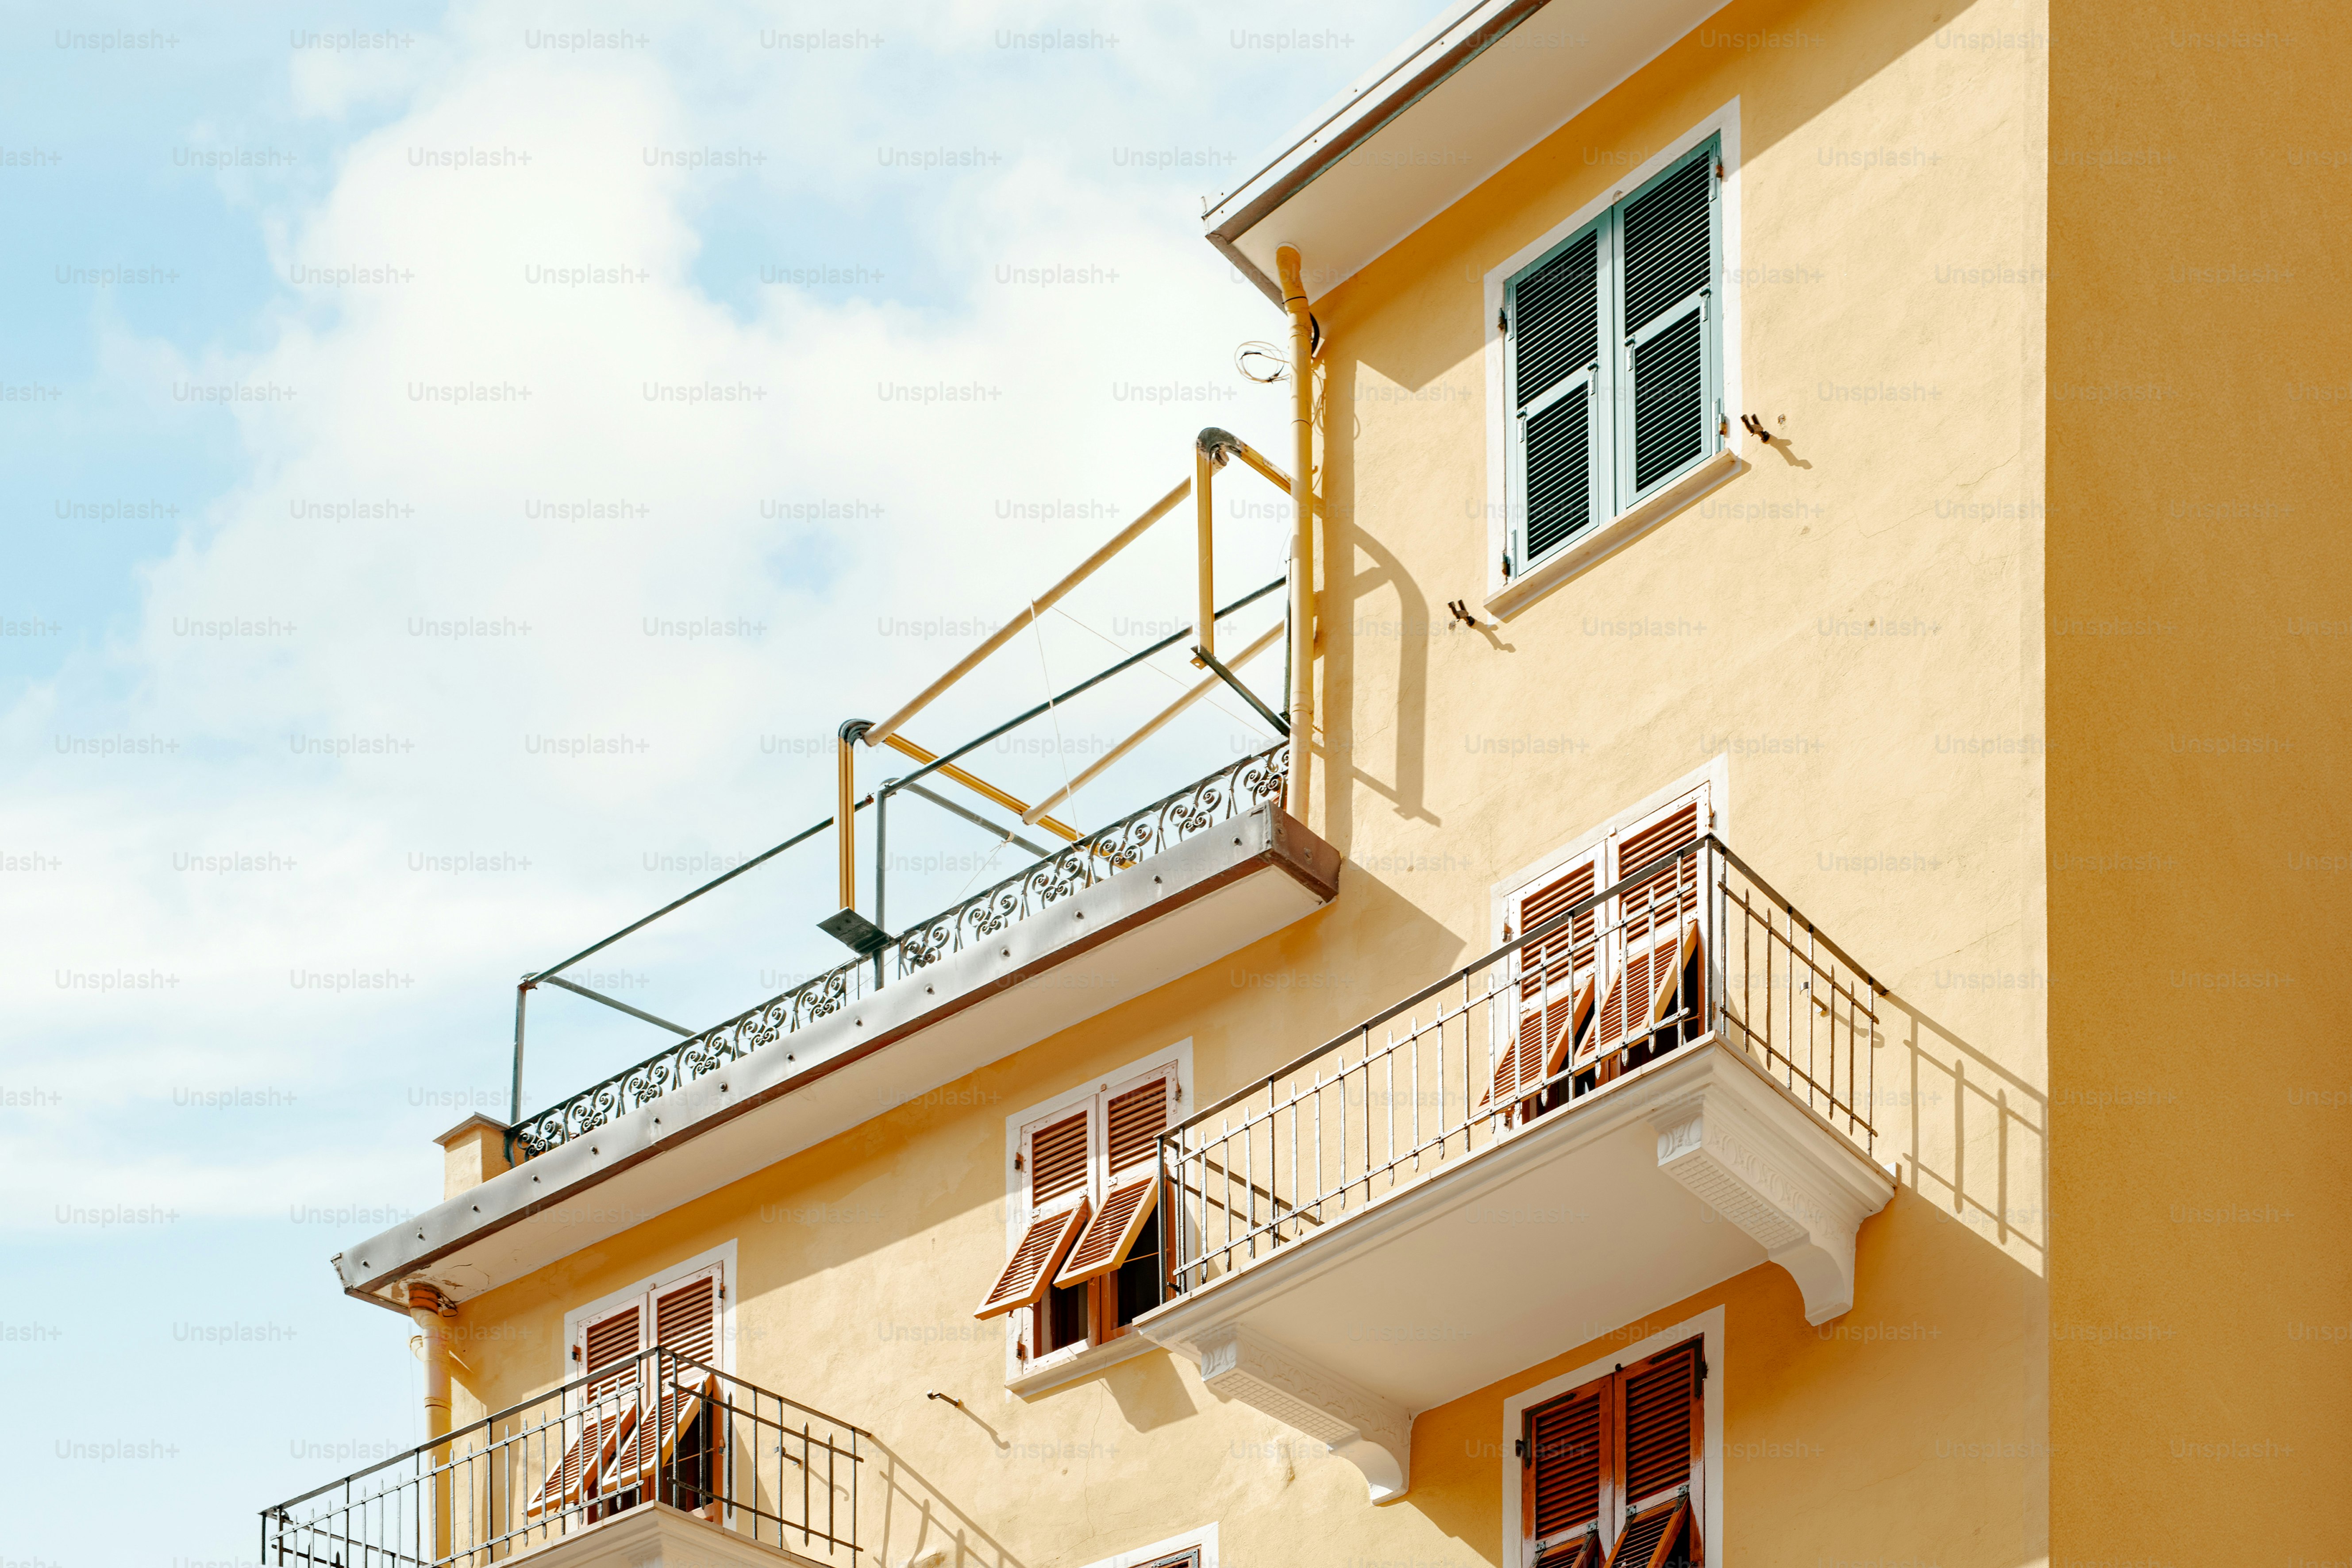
[(1692, 943), (1238, 787), (658, 1428), (1244, 787)]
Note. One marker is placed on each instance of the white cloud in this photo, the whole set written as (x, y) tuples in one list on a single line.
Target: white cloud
[(369, 362)]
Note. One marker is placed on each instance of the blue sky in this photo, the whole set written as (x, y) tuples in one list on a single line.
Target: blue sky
[(392, 400)]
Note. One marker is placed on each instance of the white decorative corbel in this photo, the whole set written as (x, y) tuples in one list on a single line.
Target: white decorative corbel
[(1368, 1431), (1745, 1150)]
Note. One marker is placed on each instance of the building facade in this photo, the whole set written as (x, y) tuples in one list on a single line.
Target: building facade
[(1681, 1057)]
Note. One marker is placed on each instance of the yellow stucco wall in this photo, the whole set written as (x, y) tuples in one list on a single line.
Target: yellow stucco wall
[(1855, 624), (2201, 1364)]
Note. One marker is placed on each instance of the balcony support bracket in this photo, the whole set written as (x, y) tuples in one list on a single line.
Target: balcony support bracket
[(1738, 1144), (1371, 1433)]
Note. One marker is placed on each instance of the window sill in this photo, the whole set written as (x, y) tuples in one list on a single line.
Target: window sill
[(1069, 1366), (1613, 535)]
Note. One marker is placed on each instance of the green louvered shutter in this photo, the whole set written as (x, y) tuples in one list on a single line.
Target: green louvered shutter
[(1671, 238), (1552, 365)]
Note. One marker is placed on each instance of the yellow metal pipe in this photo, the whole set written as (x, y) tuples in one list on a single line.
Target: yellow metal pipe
[(1212, 683), (983, 788), (1204, 624), (1302, 551), (844, 817), (1256, 460), (427, 1312), (1029, 612)]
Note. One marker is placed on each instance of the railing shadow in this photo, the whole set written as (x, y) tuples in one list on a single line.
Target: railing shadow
[(1990, 1152), (914, 1524)]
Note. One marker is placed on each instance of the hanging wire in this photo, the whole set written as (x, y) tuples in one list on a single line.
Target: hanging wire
[(1236, 714), (1262, 362)]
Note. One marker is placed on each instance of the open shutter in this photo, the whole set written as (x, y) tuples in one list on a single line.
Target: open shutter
[(1678, 994), (1565, 1475), (608, 1350), (685, 1316), (1111, 1232), (1552, 363), (1557, 974), (1055, 1156), (1554, 978), (1667, 314), (1134, 1120), (1646, 923), (1659, 1536)]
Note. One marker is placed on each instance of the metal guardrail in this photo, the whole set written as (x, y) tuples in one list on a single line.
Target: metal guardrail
[(657, 1428), (1237, 787), (1527, 1031)]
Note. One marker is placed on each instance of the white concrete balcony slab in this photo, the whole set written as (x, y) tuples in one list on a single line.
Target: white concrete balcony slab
[(1374, 1231), (656, 1536)]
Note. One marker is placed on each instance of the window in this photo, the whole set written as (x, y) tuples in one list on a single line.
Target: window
[(638, 1426), (1193, 1549), (1623, 981), (1086, 1263), (1613, 1474), (1612, 359)]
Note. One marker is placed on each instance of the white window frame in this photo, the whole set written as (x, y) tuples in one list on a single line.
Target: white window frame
[(1708, 1326), (1507, 596), (1072, 1363), (1204, 1537), (1716, 775), (722, 1255)]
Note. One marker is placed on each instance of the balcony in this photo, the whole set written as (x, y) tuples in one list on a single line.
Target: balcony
[(1144, 901), (1658, 1089), (658, 1460)]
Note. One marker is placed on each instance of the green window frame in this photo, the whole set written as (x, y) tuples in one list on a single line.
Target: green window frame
[(1612, 359)]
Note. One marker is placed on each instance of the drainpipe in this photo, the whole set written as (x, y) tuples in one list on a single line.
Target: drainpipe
[(433, 1314), (1302, 513)]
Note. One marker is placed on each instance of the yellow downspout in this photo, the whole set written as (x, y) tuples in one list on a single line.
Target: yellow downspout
[(1302, 545), (431, 1318)]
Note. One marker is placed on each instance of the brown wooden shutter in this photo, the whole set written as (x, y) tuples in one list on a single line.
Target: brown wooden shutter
[(1663, 1447), (1136, 1118), (1555, 979), (1680, 989), (1564, 1480), (608, 1350), (686, 1316), (1112, 1232), (1056, 1157), (1659, 1536), (1040, 1251), (645, 1443), (1647, 919), (1057, 1161), (1133, 1118)]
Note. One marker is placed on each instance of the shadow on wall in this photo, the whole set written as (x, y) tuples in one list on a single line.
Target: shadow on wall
[(1967, 1134), (914, 1525)]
